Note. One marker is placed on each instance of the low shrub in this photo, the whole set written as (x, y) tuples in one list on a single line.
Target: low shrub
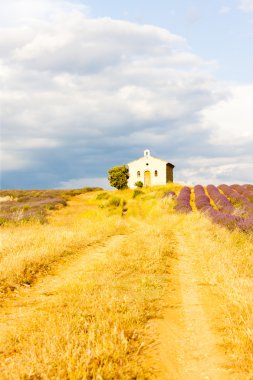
[(137, 192), (102, 196), (169, 194), (124, 207), (26, 207), (114, 202), (138, 184)]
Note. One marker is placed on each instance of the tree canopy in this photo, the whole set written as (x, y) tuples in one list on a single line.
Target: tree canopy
[(118, 177)]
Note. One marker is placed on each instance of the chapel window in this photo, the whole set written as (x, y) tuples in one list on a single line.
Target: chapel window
[(138, 173), (156, 173)]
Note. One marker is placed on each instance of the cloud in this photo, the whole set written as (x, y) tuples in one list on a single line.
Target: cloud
[(217, 170), (31, 12), (13, 161), (230, 120), (81, 95), (246, 5)]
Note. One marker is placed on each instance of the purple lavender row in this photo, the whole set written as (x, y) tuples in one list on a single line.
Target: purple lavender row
[(243, 191), (231, 221), (243, 202), (183, 200), (201, 199), (221, 202)]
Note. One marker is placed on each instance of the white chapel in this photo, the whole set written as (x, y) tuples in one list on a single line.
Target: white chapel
[(150, 171)]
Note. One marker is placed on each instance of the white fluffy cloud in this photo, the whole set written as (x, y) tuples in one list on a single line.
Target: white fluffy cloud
[(231, 119), (30, 12), (246, 5), (217, 170), (82, 94)]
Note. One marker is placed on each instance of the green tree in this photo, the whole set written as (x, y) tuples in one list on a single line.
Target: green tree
[(118, 177)]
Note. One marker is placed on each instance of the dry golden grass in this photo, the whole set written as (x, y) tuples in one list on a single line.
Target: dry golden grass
[(226, 260), (29, 250), (92, 324)]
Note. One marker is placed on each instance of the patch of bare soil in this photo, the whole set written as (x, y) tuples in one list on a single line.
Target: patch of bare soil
[(190, 345)]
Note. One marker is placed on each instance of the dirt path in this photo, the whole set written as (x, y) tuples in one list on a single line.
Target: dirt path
[(26, 300), (190, 346)]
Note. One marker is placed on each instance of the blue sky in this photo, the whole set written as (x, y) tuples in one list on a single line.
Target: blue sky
[(87, 85), (215, 30)]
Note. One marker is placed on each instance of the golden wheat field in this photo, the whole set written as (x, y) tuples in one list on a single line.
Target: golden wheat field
[(117, 285)]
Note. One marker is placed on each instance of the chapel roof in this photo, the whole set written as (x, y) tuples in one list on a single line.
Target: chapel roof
[(147, 154)]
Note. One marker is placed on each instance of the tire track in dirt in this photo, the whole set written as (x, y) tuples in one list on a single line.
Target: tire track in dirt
[(26, 300), (189, 347)]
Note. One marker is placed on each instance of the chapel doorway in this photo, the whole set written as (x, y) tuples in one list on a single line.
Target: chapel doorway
[(147, 178)]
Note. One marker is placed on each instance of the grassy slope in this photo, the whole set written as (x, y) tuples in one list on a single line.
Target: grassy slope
[(32, 205), (94, 325)]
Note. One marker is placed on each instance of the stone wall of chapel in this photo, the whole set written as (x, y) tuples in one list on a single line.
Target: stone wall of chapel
[(147, 163)]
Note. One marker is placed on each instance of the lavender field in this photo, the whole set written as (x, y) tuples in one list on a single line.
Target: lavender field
[(33, 205), (89, 282), (230, 206)]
